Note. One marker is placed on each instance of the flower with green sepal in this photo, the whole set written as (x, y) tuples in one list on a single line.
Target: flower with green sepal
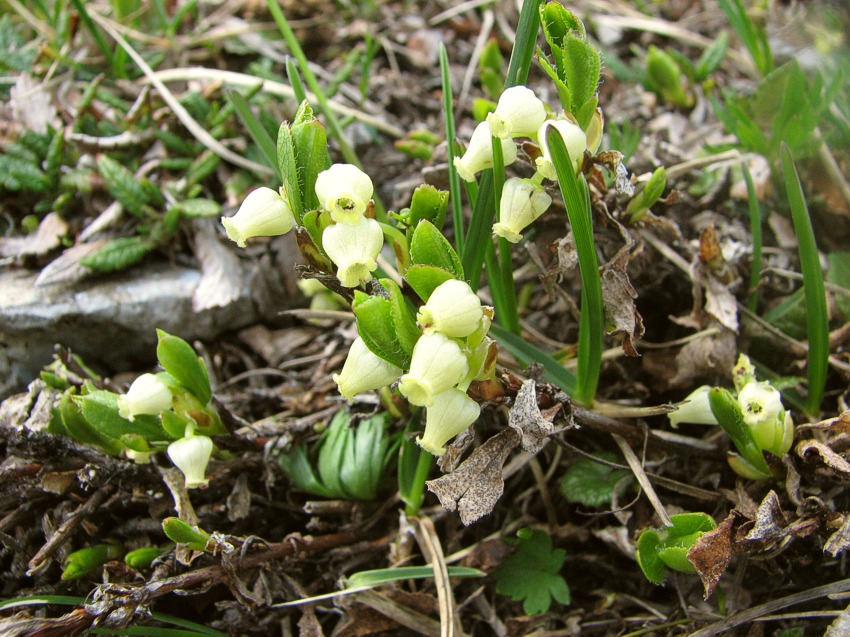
[(694, 409), (519, 113), (264, 213), (574, 138), (147, 395), (363, 370), (479, 153), (191, 454), (344, 191), (451, 413), (522, 202), (438, 364), (354, 248), (452, 309)]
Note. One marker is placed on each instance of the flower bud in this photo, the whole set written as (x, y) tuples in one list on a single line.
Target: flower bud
[(344, 190), (574, 139), (147, 395), (264, 213), (519, 113), (353, 247), (521, 203), (694, 409), (452, 309), (364, 370), (437, 364), (743, 373), (451, 413), (479, 153), (192, 455), (594, 131)]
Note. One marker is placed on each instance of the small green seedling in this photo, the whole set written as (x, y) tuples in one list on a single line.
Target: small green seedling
[(641, 203), (143, 557), (180, 532), (88, 560), (665, 78), (663, 548), (532, 573)]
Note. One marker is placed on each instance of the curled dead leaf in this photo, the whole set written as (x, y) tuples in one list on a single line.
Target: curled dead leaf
[(829, 457), (712, 553)]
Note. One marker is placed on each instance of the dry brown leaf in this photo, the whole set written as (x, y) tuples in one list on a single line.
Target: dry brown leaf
[(840, 540), (711, 355), (475, 487), (829, 457), (770, 521), (712, 553), (47, 237), (31, 104), (618, 299), (525, 418), (720, 302), (221, 275), (66, 268)]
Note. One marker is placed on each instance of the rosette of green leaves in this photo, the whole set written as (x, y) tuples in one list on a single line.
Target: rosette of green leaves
[(348, 462), (668, 547)]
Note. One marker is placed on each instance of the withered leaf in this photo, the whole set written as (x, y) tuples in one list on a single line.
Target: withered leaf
[(475, 487), (47, 237), (830, 458), (221, 276), (526, 419), (770, 521), (618, 299), (710, 355), (712, 553), (840, 540)]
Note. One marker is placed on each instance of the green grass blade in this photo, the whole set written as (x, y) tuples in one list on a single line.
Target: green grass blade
[(480, 227), (525, 43), (500, 273), (753, 36), (295, 80), (592, 320), (755, 233), (454, 179), (97, 36), (817, 319), (527, 353), (380, 576), (258, 133)]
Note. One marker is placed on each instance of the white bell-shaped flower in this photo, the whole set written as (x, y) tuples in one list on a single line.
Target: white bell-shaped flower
[(521, 203), (148, 395), (574, 139), (354, 248), (344, 190), (364, 370), (519, 113), (451, 413), (452, 309), (264, 213), (695, 409), (192, 455), (479, 153), (437, 364), (760, 402)]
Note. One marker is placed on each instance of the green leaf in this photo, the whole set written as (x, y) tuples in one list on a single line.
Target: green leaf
[(80, 429), (310, 143), (428, 246), (581, 68), (195, 208), (685, 524), (17, 174), (257, 131), (123, 185), (375, 325), (381, 576), (428, 204), (592, 483), (287, 165), (816, 310), (528, 353), (296, 465), (180, 532), (100, 408), (424, 279), (179, 359), (117, 254), (712, 57), (531, 573), (80, 563), (404, 321), (728, 413), (676, 557), (648, 558), (839, 274)]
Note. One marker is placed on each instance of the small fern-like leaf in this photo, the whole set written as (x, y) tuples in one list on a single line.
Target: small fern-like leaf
[(117, 254)]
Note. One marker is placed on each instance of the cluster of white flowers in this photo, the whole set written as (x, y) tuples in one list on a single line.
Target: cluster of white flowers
[(150, 395), (352, 242), (449, 355), (520, 113)]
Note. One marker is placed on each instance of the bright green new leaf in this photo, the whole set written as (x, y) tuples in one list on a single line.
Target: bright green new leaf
[(310, 143), (100, 409), (404, 323), (179, 359), (80, 563), (375, 325), (195, 208), (428, 246), (648, 558), (726, 409), (531, 573), (428, 204), (180, 532), (424, 279), (124, 186), (288, 169), (79, 428)]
